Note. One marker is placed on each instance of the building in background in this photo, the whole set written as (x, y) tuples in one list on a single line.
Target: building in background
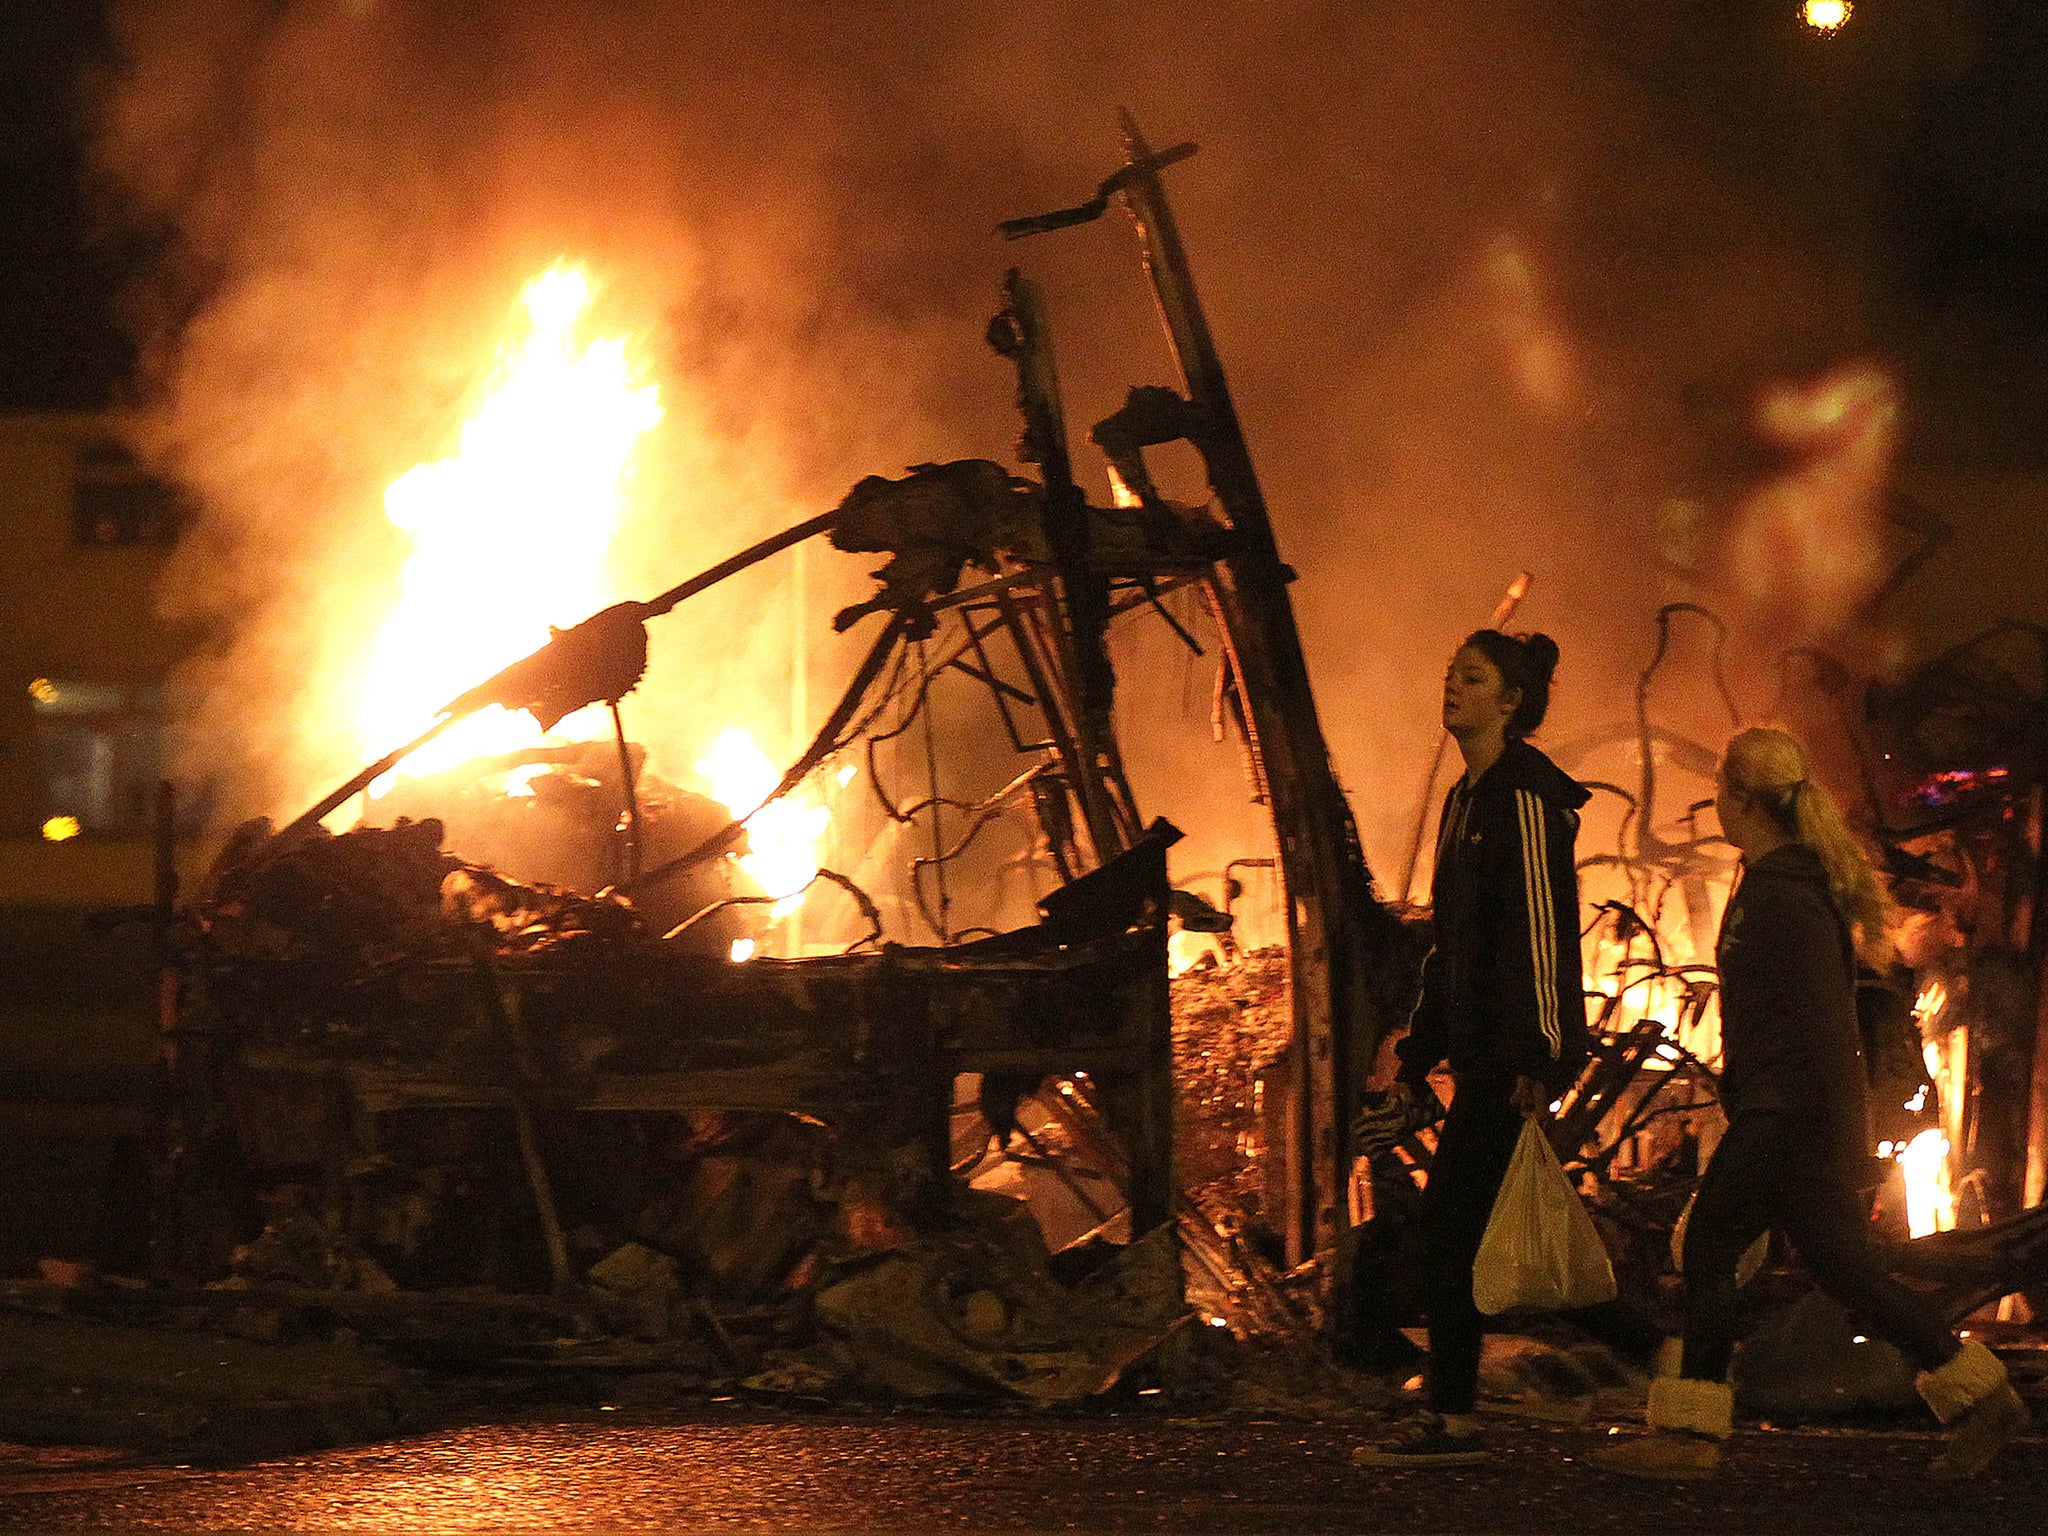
[(83, 664), (83, 660)]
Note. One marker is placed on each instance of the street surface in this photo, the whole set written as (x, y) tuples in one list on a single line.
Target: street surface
[(608, 1472)]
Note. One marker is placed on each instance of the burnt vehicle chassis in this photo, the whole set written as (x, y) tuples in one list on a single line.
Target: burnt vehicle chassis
[(468, 1120), (478, 1090)]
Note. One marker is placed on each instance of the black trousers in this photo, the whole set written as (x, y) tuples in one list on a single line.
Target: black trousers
[(1473, 1148), (1762, 1176)]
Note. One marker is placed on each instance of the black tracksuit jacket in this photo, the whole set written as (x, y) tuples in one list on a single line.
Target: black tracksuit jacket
[(1502, 994), (1789, 1037)]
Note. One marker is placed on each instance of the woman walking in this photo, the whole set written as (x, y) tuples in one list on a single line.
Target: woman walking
[(1792, 1083), (1501, 1002)]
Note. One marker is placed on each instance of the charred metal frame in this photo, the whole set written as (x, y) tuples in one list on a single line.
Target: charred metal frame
[(1339, 938), (870, 1043)]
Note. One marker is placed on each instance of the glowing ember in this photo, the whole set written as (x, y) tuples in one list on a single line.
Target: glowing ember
[(782, 837), (1826, 15), (1186, 949), (60, 829), (519, 781), (511, 533), (1939, 790)]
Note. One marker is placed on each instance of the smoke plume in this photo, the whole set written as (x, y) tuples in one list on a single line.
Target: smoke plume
[(1483, 311)]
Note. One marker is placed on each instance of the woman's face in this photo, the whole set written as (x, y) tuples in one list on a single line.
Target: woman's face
[(1743, 822), (1475, 699)]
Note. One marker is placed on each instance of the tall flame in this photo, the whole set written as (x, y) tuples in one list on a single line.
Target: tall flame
[(1930, 1205), (510, 534), (1930, 1187)]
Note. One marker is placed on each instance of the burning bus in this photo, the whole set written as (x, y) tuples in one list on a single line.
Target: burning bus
[(508, 1009)]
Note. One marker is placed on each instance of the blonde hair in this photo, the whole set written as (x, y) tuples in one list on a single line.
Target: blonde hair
[(1770, 767)]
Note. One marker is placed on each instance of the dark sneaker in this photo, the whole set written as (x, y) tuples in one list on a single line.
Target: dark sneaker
[(1423, 1442)]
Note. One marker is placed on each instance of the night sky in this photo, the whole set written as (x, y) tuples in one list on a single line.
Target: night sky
[(60, 347)]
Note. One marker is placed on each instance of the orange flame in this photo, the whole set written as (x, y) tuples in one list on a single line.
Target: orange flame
[(1930, 1189), (511, 533), (1930, 1204), (782, 836)]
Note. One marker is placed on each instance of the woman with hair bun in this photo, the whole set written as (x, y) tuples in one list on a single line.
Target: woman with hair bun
[(1798, 1138), (1501, 1002)]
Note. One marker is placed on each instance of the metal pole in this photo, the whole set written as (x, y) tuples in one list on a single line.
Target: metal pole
[(1312, 823), (476, 698)]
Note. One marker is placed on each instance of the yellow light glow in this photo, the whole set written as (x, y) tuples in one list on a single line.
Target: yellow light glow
[(1826, 15), (43, 691), (1930, 1202), (1928, 1005), (782, 838), (1185, 949), (519, 782), (511, 533), (60, 829), (742, 950)]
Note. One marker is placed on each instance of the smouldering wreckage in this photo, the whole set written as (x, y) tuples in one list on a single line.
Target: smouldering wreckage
[(493, 1120), (567, 1122)]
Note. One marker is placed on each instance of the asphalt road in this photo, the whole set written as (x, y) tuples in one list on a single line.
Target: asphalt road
[(606, 1472)]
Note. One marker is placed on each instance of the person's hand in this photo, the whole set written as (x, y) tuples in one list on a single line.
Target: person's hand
[(1377, 1130), (1406, 1109), (1530, 1098)]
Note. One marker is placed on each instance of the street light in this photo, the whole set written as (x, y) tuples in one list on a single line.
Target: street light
[(1826, 15)]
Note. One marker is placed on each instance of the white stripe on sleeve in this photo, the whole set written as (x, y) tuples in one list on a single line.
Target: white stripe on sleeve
[(1542, 915)]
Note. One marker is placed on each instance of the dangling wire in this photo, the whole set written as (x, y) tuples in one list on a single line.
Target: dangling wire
[(629, 812), (931, 770)]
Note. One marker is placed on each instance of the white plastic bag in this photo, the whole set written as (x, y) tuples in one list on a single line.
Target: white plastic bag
[(1540, 1249)]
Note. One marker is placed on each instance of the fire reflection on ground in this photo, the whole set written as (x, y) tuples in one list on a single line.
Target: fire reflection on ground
[(1137, 1469)]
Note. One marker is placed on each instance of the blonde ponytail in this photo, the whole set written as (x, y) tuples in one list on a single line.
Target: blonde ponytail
[(1771, 766)]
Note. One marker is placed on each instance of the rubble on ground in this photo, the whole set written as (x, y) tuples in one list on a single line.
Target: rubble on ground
[(1231, 1024)]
